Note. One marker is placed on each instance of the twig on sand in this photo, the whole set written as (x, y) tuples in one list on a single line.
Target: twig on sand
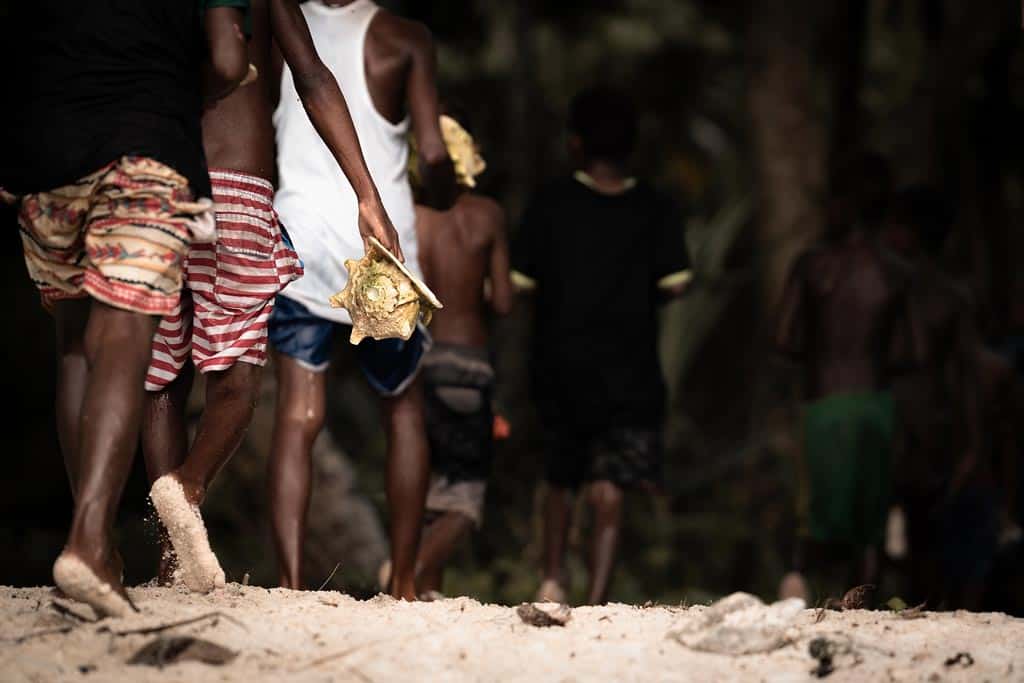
[(329, 577), (62, 610), (914, 612), (39, 634), (358, 674), (69, 613), (343, 653), (174, 624), (363, 646)]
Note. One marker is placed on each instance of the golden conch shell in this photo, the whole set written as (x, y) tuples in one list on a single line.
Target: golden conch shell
[(461, 148), (383, 298), (463, 151)]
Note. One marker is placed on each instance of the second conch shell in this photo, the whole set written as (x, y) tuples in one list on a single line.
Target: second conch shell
[(384, 300), (462, 150)]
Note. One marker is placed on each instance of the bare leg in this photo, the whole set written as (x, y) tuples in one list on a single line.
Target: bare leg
[(164, 432), (606, 500), (557, 516), (408, 473), (301, 395), (870, 570), (164, 448), (794, 582), (230, 400), (71, 316), (117, 347), (440, 539)]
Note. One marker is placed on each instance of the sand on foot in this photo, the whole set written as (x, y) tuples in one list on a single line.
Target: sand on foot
[(197, 565), (79, 582)]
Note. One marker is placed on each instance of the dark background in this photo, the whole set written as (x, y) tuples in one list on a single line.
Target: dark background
[(746, 105)]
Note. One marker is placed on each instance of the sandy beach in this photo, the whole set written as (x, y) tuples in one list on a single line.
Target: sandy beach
[(277, 635)]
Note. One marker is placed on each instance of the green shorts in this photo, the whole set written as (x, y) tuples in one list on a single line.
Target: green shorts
[(847, 454)]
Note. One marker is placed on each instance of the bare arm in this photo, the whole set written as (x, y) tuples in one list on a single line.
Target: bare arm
[(228, 55), (329, 114), (502, 293), (435, 166)]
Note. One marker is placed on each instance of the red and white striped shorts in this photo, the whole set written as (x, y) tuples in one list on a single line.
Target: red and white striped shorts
[(229, 286)]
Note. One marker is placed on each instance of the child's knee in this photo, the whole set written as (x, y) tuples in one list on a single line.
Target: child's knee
[(240, 382), (118, 334), (606, 496), (304, 416)]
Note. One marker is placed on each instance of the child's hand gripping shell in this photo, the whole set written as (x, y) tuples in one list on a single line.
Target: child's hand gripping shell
[(383, 298)]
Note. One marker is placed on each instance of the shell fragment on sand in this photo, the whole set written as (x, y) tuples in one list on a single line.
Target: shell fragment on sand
[(544, 614), (165, 650), (740, 624), (384, 299)]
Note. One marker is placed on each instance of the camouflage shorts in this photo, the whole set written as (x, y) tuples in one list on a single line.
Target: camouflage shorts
[(627, 456)]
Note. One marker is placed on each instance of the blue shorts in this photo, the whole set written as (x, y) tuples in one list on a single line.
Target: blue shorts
[(390, 365)]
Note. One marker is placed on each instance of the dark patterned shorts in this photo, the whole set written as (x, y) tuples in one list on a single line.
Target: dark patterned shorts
[(458, 383), (627, 456)]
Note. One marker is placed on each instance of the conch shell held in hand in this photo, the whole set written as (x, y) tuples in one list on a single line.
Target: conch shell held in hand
[(383, 298)]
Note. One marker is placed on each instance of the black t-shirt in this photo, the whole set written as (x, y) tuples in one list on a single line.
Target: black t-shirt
[(596, 260), (95, 80)]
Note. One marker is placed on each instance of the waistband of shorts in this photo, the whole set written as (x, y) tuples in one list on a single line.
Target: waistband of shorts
[(481, 353), (226, 180)]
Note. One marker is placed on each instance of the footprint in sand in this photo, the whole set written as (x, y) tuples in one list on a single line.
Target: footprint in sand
[(197, 564), (80, 583)]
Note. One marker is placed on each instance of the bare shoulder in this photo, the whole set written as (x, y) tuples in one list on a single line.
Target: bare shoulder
[(483, 211), (426, 213), (427, 219), (411, 36)]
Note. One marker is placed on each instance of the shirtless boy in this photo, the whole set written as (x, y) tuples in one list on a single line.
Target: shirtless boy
[(386, 66), (221, 326), (844, 317), (465, 260)]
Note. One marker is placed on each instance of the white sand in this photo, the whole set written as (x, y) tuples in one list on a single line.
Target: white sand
[(81, 583), (324, 636), (198, 567)]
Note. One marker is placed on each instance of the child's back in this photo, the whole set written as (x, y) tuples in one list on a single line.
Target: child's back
[(460, 250)]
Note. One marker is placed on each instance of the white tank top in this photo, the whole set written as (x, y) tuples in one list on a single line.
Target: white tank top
[(314, 199)]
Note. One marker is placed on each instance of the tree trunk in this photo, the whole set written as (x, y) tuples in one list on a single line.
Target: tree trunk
[(790, 148), (850, 32)]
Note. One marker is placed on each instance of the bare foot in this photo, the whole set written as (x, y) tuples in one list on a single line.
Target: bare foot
[(118, 565), (384, 576), (793, 585), (407, 593), (198, 566), (431, 596), (98, 587), (390, 584), (551, 591)]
